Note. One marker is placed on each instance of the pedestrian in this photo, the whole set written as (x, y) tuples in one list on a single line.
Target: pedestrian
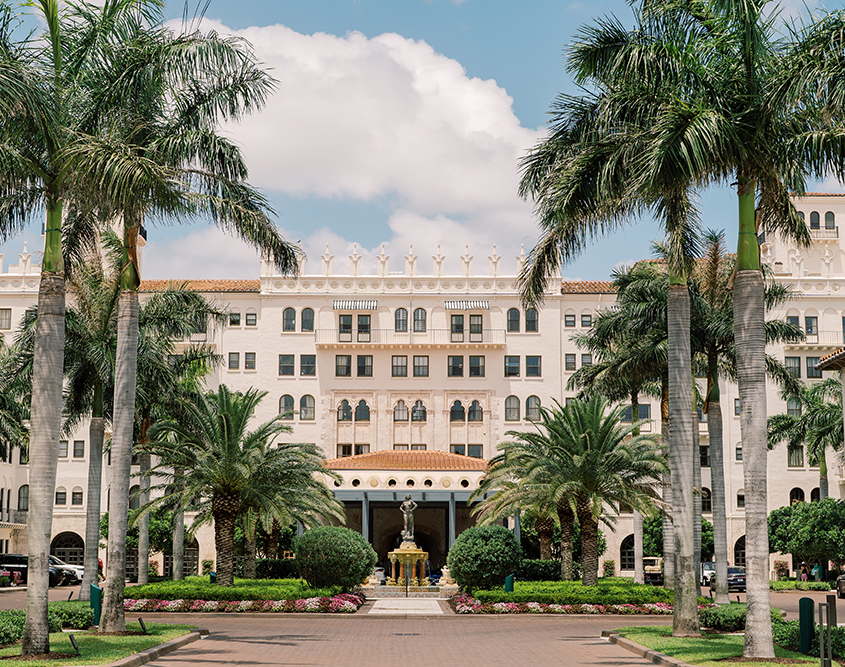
[(804, 573)]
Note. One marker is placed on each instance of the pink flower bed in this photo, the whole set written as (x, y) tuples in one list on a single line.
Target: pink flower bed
[(466, 604), (343, 603)]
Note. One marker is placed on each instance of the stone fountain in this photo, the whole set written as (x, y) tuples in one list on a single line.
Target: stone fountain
[(409, 557)]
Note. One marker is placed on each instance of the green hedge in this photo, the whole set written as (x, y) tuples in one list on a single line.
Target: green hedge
[(199, 588), (785, 633), (279, 568), (12, 622), (538, 570), (800, 585), (75, 614), (729, 617), (608, 592)]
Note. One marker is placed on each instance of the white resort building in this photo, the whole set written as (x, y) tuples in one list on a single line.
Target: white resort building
[(410, 378)]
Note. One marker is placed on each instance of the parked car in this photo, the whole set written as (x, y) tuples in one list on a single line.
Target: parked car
[(707, 572), (736, 579), (20, 562), (653, 570), (840, 586), (73, 573)]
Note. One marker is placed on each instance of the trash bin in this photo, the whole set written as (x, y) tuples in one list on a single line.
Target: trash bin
[(509, 583), (212, 577), (97, 602)]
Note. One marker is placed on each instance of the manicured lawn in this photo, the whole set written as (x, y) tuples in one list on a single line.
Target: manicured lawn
[(98, 650), (199, 588), (608, 591), (705, 651)]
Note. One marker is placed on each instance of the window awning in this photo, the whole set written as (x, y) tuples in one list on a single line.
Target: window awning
[(355, 304), (467, 305)]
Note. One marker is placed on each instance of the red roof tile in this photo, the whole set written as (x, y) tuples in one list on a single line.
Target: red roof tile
[(587, 287), (407, 460), (822, 194), (832, 362), (203, 285)]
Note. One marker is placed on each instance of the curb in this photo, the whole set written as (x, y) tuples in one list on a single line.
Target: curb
[(642, 651), (155, 652)]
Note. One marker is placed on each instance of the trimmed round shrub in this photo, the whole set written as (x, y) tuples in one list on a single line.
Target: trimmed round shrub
[(483, 556), (333, 556)]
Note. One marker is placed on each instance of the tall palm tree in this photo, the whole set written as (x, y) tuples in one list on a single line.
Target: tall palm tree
[(817, 427), (229, 468)]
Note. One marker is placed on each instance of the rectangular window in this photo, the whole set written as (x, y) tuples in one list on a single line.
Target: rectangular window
[(400, 366), (365, 365), (344, 328), (249, 361), (62, 449), (78, 449), (736, 407), (458, 449), (5, 319), (457, 328), (476, 331), (511, 366), (740, 500), (586, 359), (793, 320), (793, 365), (234, 319), (76, 498), (24, 456), (569, 362), (61, 497), (811, 367), (569, 320), (475, 451), (811, 325), (362, 449), (419, 448), (308, 364), (421, 366), (344, 450), (476, 367), (286, 362), (456, 367), (533, 367), (793, 407), (795, 457), (586, 321), (400, 447), (704, 455), (343, 365), (251, 319), (234, 361), (363, 328), (738, 452), (644, 411)]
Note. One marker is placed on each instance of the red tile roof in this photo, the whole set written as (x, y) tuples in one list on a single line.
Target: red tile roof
[(823, 194), (203, 285), (587, 287), (832, 362), (407, 460)]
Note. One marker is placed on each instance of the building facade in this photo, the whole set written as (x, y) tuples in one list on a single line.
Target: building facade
[(410, 378)]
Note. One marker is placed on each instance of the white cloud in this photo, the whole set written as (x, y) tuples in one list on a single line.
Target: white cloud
[(830, 184), (389, 119)]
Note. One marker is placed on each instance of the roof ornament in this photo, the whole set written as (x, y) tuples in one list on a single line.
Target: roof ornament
[(383, 269), (494, 262), (520, 259), (466, 263), (354, 261), (439, 259), (328, 262), (411, 262)]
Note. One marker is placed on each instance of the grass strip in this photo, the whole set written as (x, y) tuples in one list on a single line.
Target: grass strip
[(704, 651), (98, 649)]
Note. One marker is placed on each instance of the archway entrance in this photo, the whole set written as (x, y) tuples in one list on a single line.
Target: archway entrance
[(68, 547)]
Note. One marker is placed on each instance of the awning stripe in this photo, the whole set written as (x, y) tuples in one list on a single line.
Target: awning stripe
[(355, 304), (467, 305)]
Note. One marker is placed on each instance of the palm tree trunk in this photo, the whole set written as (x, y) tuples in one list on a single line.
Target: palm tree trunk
[(178, 535), (668, 539), (275, 533), (685, 614), (750, 340), (224, 508), (589, 543), (144, 523), (124, 414), (545, 530), (696, 499), (566, 517), (717, 484), (639, 572), (45, 422), (96, 432), (249, 557), (824, 489)]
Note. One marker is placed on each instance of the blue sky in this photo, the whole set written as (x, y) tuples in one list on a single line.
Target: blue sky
[(401, 122)]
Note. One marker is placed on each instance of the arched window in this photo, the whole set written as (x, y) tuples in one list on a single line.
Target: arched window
[(307, 319), (134, 497), (418, 413), (531, 320), (400, 412), (457, 413), (706, 501), (344, 411), (740, 499), (815, 495), (626, 553), (532, 408), (23, 498), (289, 320), (401, 320), (814, 220), (419, 319), (76, 496), (61, 497), (476, 414), (362, 412), (796, 496), (739, 552), (513, 320), (829, 220), (286, 406), (306, 408), (511, 409)]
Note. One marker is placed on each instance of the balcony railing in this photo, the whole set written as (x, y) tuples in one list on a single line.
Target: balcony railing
[(428, 337), (832, 338), (825, 233), (13, 516)]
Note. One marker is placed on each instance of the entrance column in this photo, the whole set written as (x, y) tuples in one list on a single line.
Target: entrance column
[(451, 519), (517, 527), (365, 517)]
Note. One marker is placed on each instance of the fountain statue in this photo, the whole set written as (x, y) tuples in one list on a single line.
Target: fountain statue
[(408, 508), (409, 558)]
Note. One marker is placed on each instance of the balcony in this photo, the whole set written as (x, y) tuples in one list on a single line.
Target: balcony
[(17, 517), (816, 339), (824, 234), (391, 338)]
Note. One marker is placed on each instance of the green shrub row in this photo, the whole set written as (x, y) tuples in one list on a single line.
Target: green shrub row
[(573, 592), (785, 633), (729, 617), (199, 588), (75, 614), (538, 570), (800, 585), (12, 622), (278, 568)]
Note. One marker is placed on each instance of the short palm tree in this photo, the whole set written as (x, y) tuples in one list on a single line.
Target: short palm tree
[(226, 469), (583, 452)]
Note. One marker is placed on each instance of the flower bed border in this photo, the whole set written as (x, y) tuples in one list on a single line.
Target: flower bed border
[(463, 603), (343, 603)]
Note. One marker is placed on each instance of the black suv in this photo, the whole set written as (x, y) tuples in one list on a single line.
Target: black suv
[(736, 579), (20, 563)]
